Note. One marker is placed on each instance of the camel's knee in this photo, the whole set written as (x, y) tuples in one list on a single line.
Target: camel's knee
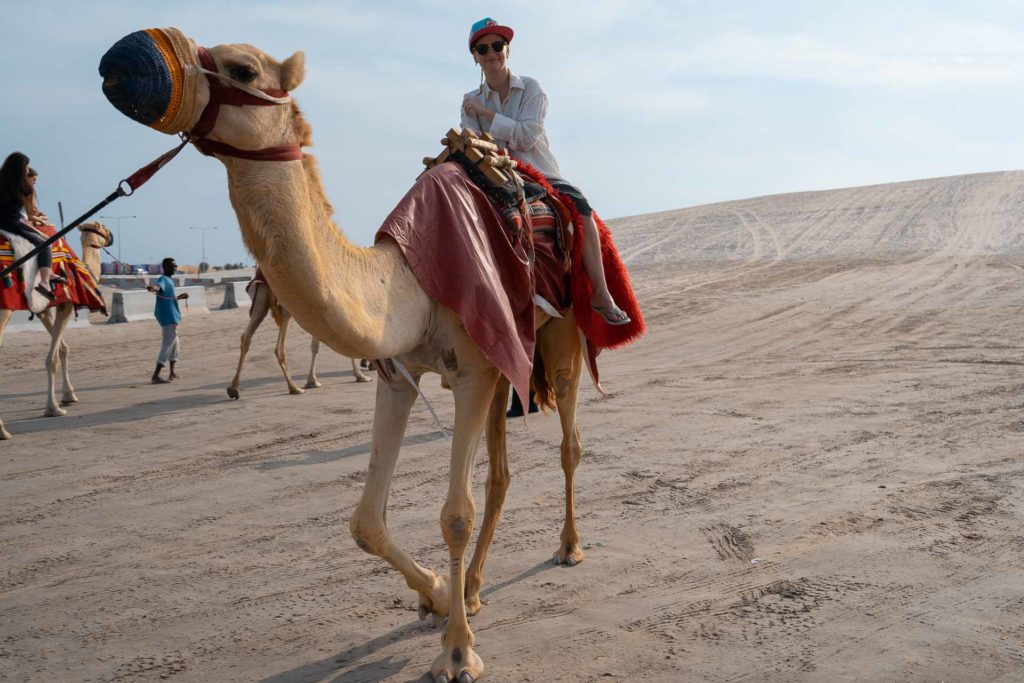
[(369, 533), (572, 452), (565, 382), (457, 523)]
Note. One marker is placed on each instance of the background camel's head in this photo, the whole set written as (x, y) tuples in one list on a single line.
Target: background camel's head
[(156, 77), (96, 235)]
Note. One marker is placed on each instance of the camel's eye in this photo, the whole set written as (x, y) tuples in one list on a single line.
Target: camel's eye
[(243, 73)]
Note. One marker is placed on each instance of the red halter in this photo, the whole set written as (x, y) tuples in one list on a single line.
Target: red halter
[(226, 94)]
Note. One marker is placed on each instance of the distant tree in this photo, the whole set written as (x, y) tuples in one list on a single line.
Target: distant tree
[(203, 267)]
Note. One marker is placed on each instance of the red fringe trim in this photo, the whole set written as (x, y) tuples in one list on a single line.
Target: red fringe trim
[(598, 332)]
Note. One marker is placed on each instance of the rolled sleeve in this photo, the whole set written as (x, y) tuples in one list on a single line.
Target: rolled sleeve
[(525, 131), (503, 127)]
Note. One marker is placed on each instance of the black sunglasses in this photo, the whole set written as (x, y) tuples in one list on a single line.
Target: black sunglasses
[(497, 46)]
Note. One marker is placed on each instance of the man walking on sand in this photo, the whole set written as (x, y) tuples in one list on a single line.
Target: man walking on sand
[(168, 315)]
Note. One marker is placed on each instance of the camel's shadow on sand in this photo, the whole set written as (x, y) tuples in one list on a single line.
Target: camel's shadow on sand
[(321, 457), (155, 404), (386, 666), (104, 418)]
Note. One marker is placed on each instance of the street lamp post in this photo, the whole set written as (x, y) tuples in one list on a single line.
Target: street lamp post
[(120, 241), (202, 231)]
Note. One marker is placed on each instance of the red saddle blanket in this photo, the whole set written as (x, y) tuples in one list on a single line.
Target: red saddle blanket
[(81, 289), (466, 259)]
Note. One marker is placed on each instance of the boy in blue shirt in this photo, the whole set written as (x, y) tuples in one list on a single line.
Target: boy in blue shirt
[(168, 315)]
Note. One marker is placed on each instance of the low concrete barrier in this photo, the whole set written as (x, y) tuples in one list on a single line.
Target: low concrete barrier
[(132, 305), (19, 322), (235, 295)]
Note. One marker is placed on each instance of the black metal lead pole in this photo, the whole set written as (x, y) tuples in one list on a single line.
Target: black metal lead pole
[(116, 194)]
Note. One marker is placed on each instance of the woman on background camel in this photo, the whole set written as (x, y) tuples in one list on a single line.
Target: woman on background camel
[(18, 208), (512, 109)]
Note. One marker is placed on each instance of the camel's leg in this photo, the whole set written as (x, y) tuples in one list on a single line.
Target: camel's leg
[(5, 317), (563, 362), (279, 351), (497, 485), (473, 394), (68, 395), (369, 521), (358, 373), (57, 328), (314, 349), (260, 308)]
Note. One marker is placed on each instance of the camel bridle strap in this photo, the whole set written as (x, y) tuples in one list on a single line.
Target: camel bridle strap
[(98, 233), (227, 91)]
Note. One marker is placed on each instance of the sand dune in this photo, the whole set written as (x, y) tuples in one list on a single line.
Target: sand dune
[(809, 469)]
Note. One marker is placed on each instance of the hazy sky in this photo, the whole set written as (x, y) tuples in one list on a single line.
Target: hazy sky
[(653, 105)]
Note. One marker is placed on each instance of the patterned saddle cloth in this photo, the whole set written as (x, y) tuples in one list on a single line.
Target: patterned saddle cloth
[(15, 294)]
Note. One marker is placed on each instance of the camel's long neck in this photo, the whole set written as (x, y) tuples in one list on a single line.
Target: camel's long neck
[(355, 300), (91, 258)]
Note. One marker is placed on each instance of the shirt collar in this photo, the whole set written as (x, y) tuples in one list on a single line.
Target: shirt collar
[(515, 82)]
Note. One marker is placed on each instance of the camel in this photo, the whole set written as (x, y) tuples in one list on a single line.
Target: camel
[(94, 236), (361, 302), (263, 302)]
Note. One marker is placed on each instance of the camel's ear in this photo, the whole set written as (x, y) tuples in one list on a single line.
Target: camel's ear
[(293, 70)]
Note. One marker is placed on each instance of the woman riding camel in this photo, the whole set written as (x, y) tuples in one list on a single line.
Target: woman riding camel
[(512, 109), (18, 208)]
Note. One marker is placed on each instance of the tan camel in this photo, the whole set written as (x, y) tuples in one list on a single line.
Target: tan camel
[(94, 236), (264, 301), (365, 303)]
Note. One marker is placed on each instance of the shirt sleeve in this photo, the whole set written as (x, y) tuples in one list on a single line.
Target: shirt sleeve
[(467, 121), (464, 120), (522, 132)]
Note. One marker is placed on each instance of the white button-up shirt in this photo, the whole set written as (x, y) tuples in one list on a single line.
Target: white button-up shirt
[(518, 123)]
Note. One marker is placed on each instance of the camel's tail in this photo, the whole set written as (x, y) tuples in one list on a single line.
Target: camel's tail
[(275, 311), (544, 393)]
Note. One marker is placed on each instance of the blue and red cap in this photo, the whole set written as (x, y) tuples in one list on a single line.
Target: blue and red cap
[(488, 25)]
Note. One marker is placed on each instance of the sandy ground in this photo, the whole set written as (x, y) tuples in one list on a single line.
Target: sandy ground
[(810, 469)]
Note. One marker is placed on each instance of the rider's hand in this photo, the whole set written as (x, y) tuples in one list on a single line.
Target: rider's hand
[(473, 107)]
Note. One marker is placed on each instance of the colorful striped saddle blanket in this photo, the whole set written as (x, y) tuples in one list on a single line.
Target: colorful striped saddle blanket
[(81, 288)]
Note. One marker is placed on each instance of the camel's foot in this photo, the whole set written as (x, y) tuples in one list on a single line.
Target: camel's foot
[(457, 663), (568, 554), (68, 398), (363, 378), (437, 602), (233, 392), (296, 390), (4, 434), (55, 411), (313, 384), (473, 604)]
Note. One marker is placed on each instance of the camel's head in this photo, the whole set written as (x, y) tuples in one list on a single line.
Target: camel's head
[(160, 77), (96, 235)]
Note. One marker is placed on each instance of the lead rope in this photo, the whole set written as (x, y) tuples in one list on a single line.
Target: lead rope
[(405, 373), (140, 278)]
